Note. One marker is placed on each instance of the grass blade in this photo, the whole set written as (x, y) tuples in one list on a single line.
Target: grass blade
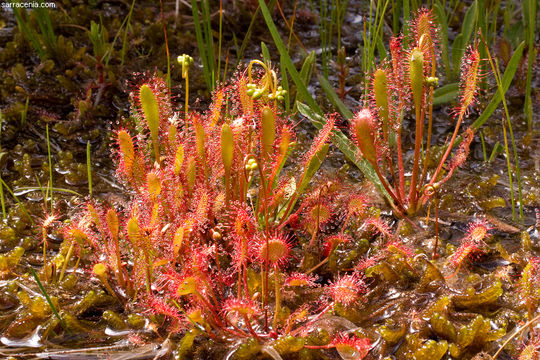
[(207, 23), (2, 200), (457, 53), (30, 35), (501, 91), (89, 167), (509, 167), (529, 16), (305, 75), (265, 53), (445, 93), (26, 189), (50, 168), (312, 110), (458, 48), (285, 84), (468, 23), (508, 75), (443, 25), (23, 208), (291, 69), (497, 149), (334, 98), (201, 44), (42, 289), (312, 167)]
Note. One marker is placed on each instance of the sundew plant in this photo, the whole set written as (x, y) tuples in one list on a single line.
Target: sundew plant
[(208, 238), (406, 83), (230, 241)]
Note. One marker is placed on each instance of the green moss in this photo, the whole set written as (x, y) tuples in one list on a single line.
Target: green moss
[(247, 350), (318, 337), (475, 334), (385, 270), (440, 306), (113, 320), (7, 236), (86, 302), (442, 327), (473, 299), (135, 321), (288, 344), (69, 282), (492, 203), (431, 350), (392, 335), (185, 347)]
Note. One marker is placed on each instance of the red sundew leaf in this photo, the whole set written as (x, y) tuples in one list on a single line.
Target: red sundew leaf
[(347, 289), (351, 347)]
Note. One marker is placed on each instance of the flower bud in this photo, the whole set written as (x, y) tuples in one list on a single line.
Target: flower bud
[(432, 81), (216, 235), (100, 270)]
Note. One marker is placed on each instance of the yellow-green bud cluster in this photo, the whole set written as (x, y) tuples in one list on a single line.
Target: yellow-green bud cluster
[(432, 81), (279, 95), (185, 60), (251, 166), (254, 92)]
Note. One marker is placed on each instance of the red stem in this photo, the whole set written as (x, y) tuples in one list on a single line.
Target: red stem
[(419, 133), (447, 152)]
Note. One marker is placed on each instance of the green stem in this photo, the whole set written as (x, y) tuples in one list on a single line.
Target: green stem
[(510, 179), (277, 287), (119, 271), (66, 260), (448, 149), (40, 285), (50, 167), (516, 332), (89, 168), (416, 162), (187, 96)]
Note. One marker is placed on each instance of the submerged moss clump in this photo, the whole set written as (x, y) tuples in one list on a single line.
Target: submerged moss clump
[(443, 327), (431, 350), (473, 299), (393, 334), (288, 344), (475, 334)]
